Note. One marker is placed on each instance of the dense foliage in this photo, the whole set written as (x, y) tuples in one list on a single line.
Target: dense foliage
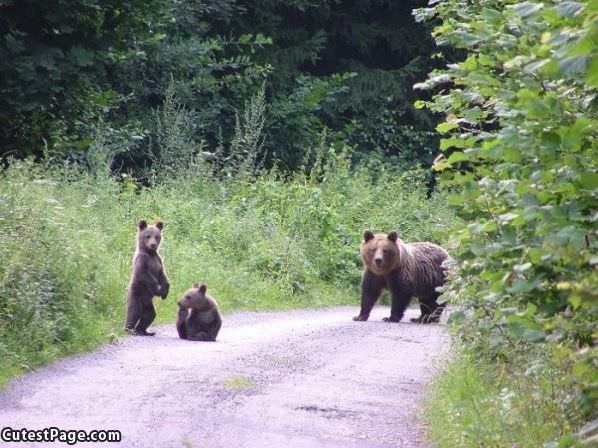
[(521, 154), (72, 69), (55, 60), (259, 242), (500, 404), (66, 67), (346, 65)]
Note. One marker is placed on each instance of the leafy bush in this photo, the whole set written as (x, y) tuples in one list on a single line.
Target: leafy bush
[(260, 242), (526, 402), (521, 157), (328, 63), (55, 65)]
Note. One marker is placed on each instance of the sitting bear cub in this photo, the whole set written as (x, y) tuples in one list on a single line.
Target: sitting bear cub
[(407, 270), (199, 318)]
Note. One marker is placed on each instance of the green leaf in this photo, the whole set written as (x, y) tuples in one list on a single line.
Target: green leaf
[(569, 9), (592, 75), (507, 217), (589, 180), (534, 335), (575, 300), (82, 56), (456, 317), (457, 157), (522, 267), (573, 65), (443, 128), (536, 65), (452, 142), (524, 9)]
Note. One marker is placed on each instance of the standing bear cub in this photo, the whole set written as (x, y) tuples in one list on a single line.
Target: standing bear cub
[(147, 280), (407, 270), (199, 318)]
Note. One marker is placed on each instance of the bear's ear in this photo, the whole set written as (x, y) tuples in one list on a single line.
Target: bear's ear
[(159, 225), (142, 224), (393, 236), (367, 235), (203, 288)]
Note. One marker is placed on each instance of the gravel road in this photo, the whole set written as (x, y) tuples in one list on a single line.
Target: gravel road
[(287, 379)]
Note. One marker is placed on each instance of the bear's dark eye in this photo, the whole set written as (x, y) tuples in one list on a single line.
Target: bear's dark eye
[(386, 251)]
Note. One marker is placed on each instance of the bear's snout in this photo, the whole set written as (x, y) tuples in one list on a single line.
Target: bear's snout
[(378, 261)]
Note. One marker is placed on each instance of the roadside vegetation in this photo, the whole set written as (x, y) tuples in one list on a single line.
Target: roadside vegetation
[(261, 241), (521, 156)]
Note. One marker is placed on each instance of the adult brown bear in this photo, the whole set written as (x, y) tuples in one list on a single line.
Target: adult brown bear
[(407, 270)]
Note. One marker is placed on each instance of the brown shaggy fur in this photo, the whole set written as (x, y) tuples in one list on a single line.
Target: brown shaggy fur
[(407, 270), (148, 279), (199, 318)]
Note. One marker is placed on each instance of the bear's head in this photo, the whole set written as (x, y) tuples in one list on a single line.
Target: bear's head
[(149, 237), (196, 298), (380, 252)]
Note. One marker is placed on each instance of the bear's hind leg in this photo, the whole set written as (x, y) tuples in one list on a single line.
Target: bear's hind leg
[(215, 327), (426, 308), (201, 336), (431, 310), (133, 314), (397, 308), (434, 317), (148, 314), (206, 332)]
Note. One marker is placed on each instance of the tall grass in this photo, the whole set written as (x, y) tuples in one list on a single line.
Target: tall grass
[(260, 243), (525, 402)]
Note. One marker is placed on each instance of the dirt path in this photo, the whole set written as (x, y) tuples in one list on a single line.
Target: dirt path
[(289, 379)]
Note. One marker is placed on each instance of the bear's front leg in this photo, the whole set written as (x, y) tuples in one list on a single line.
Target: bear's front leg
[(165, 288), (371, 288), (181, 323), (164, 283), (144, 276), (400, 300), (397, 308)]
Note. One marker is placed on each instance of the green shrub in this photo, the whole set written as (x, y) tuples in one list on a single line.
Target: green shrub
[(526, 402), (521, 161)]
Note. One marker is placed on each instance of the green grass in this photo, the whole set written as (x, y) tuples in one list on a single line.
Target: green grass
[(260, 244), (483, 403), (239, 382)]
